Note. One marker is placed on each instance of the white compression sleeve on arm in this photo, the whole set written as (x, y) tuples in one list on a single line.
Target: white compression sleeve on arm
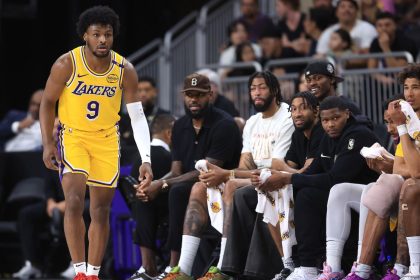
[(140, 129)]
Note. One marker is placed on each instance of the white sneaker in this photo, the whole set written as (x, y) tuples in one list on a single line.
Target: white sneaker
[(27, 271), (413, 273), (164, 273), (303, 274), (69, 272)]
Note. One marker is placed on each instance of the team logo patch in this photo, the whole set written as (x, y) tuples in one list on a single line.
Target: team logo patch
[(351, 144), (330, 68), (282, 215), (215, 207), (112, 78)]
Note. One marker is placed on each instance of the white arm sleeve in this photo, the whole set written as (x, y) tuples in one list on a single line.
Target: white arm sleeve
[(140, 129)]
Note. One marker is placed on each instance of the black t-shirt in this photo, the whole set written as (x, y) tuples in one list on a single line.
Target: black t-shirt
[(226, 105), (292, 34), (303, 148), (218, 139), (401, 43)]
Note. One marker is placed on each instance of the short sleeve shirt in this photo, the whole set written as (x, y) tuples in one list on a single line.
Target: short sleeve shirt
[(218, 139), (303, 148), (268, 138)]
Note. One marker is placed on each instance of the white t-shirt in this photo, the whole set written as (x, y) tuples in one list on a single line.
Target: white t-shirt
[(29, 139), (228, 56), (362, 35), (268, 138)]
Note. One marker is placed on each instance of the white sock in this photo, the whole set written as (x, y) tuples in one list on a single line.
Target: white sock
[(334, 254), (288, 263), (363, 270), (400, 269), (222, 252), (79, 267), (92, 270), (189, 249), (414, 250), (311, 271)]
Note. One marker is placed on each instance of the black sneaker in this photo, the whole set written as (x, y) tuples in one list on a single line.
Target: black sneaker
[(284, 273), (141, 275)]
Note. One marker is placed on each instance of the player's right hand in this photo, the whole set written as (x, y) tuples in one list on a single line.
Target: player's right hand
[(51, 156)]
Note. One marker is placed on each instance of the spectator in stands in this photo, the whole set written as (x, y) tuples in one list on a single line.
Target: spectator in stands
[(338, 150), (346, 196), (238, 34), (148, 215), (291, 25), (255, 20), (266, 139), (323, 3), (381, 204), (244, 53), (20, 131), (340, 44), (272, 48), (361, 32), (315, 23), (148, 92), (389, 40), (204, 132)]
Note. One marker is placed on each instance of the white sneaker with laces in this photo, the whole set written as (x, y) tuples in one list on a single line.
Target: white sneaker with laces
[(69, 272), (303, 274), (27, 271)]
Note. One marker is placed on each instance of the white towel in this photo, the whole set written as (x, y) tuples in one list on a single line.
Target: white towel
[(278, 206), (287, 221), (413, 122), (267, 201), (375, 151), (214, 199)]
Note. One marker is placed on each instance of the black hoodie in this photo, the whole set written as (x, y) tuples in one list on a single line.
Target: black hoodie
[(339, 159)]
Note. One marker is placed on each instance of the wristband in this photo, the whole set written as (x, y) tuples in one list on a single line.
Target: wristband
[(402, 129)]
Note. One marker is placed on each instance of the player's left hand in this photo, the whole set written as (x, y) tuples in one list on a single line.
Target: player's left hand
[(276, 182), (145, 175)]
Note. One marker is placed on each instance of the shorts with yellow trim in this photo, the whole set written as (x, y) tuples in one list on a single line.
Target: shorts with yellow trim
[(95, 154)]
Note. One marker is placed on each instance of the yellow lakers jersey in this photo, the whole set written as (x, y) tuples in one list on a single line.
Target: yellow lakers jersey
[(91, 101)]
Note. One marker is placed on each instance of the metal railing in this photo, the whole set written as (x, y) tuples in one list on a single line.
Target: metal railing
[(193, 43)]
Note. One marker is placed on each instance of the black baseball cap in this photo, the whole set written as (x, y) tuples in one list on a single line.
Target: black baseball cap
[(323, 68)]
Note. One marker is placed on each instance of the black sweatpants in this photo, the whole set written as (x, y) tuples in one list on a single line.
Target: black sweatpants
[(32, 220), (148, 216), (310, 220), (179, 195), (250, 249)]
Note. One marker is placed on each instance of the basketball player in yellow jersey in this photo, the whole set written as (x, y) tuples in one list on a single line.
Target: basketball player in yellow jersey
[(88, 83)]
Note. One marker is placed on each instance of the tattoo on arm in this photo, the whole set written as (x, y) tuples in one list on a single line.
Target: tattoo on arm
[(402, 246), (196, 218), (247, 162)]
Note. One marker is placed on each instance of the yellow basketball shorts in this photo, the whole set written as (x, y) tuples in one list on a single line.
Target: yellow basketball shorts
[(94, 154)]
